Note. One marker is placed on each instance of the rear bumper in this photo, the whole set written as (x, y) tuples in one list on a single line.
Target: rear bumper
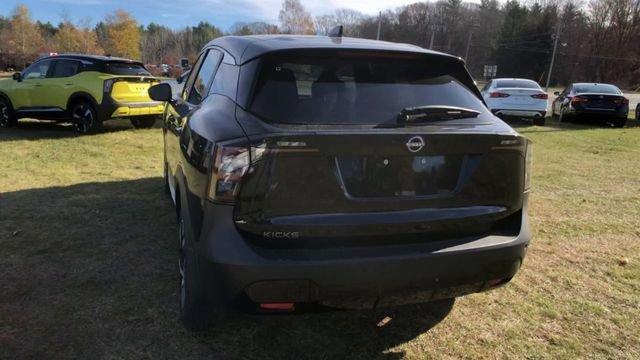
[(520, 113), (621, 113), (359, 277), (111, 109)]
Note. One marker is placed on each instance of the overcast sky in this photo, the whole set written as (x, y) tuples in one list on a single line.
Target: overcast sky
[(180, 13)]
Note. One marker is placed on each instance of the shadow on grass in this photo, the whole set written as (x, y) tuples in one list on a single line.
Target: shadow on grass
[(28, 129), (553, 125), (90, 270)]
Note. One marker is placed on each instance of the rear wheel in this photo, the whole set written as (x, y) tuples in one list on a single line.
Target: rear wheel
[(143, 122), (619, 123), (563, 117), (539, 121), (199, 305), (85, 118), (7, 117)]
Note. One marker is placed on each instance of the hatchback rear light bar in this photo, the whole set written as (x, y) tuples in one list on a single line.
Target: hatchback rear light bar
[(497, 94)]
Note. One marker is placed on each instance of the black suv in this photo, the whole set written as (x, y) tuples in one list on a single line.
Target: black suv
[(338, 172)]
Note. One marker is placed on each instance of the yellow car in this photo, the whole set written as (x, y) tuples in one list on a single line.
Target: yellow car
[(83, 89)]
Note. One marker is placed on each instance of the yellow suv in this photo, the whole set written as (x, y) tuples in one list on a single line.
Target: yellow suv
[(83, 89)]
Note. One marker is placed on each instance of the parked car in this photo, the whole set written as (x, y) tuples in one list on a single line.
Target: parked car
[(83, 89), (351, 173), (520, 98), (601, 101)]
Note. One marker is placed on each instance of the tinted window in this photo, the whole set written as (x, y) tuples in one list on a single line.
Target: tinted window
[(225, 81), (337, 87), (37, 70), (126, 68), (65, 68), (205, 74), (596, 88), (527, 84)]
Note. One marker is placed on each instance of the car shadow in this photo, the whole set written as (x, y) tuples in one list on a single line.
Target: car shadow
[(553, 125), (29, 129), (90, 270)]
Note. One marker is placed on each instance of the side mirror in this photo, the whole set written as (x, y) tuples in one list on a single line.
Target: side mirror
[(17, 76), (556, 93), (161, 92)]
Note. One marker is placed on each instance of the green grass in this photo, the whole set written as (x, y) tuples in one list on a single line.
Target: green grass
[(88, 265)]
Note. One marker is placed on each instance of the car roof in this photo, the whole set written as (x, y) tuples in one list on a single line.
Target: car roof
[(245, 48), (596, 84), (518, 79), (92, 58)]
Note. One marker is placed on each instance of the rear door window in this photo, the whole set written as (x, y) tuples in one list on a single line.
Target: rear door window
[(199, 85), (524, 84), (597, 88), (126, 68), (65, 68), (355, 87)]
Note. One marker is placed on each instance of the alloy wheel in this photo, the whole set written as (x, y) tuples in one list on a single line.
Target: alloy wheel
[(83, 118)]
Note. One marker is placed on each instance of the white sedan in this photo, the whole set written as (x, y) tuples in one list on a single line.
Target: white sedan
[(520, 98)]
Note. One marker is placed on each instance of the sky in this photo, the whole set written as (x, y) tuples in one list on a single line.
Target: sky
[(180, 13)]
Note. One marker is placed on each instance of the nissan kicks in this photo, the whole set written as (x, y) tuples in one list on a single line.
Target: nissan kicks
[(341, 172), (83, 89)]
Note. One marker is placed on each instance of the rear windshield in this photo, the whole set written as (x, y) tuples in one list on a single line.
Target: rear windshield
[(596, 88), (342, 87), (527, 84), (122, 68)]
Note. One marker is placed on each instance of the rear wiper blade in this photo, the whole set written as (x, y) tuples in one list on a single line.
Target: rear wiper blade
[(424, 114)]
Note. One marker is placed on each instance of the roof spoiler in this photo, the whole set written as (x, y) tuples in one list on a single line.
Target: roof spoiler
[(336, 31)]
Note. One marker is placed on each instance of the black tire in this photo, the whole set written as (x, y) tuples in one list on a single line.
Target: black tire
[(539, 121), (199, 304), (7, 117), (638, 112), (167, 189), (85, 118), (563, 117), (144, 122), (619, 123)]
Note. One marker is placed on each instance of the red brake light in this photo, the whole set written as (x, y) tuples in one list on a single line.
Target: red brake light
[(498, 95), (578, 99), (621, 101), (542, 96), (230, 165)]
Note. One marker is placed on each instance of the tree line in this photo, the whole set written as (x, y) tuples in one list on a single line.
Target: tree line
[(596, 40)]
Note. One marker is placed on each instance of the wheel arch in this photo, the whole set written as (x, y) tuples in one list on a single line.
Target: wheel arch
[(81, 96), (8, 99)]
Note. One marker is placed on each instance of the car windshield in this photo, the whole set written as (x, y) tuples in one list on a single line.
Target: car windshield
[(527, 84), (351, 87), (123, 68), (596, 88)]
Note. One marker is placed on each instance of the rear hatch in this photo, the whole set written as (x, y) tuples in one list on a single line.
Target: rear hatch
[(332, 164), (132, 89), (130, 83)]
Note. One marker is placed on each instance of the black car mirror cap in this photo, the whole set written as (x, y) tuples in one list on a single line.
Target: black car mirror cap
[(161, 92), (17, 76)]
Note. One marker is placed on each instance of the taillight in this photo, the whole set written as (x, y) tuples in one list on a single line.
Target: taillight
[(498, 95), (229, 166), (578, 100), (621, 101), (542, 96), (106, 86)]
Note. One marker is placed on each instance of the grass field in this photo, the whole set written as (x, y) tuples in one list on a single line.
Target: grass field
[(88, 265)]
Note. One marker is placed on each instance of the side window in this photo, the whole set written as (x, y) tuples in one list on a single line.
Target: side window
[(65, 68), (202, 80), (226, 81), (37, 71)]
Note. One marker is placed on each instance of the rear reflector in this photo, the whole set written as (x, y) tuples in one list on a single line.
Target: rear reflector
[(498, 95), (543, 96), (278, 306)]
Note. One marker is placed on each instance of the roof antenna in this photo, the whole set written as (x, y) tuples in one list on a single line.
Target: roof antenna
[(336, 31)]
